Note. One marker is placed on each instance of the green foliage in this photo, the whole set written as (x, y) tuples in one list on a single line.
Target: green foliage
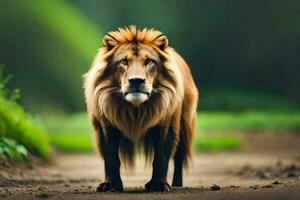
[(275, 121), (67, 23), (237, 100), (11, 149), (63, 42), (20, 126)]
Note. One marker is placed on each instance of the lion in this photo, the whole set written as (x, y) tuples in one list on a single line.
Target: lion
[(140, 91)]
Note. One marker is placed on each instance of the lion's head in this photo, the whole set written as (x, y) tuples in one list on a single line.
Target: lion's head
[(134, 81), (136, 61), (135, 68)]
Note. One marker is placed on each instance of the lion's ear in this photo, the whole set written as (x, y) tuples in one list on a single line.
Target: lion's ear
[(161, 41), (109, 42)]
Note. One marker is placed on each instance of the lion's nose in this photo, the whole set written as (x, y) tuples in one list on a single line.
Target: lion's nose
[(136, 81)]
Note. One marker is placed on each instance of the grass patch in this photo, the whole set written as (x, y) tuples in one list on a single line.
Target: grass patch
[(72, 142), (215, 143), (274, 121), (70, 133), (74, 133), (19, 126)]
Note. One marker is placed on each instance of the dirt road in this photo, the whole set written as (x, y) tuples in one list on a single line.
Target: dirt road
[(271, 170)]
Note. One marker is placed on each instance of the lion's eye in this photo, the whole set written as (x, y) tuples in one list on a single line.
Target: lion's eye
[(149, 61), (124, 61)]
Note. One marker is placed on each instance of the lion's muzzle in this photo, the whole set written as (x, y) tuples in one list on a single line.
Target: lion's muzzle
[(136, 92)]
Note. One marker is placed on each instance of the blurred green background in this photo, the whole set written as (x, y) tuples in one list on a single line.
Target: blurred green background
[(244, 57)]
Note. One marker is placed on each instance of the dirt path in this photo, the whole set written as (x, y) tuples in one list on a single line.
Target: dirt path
[(269, 171)]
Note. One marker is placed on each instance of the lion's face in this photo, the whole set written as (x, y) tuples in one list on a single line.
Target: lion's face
[(136, 68)]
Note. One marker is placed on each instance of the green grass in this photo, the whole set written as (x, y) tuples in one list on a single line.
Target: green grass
[(274, 121), (70, 133), (216, 143), (72, 142), (73, 133), (18, 125)]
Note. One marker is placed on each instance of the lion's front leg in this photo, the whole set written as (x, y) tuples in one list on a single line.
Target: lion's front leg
[(109, 144), (162, 151)]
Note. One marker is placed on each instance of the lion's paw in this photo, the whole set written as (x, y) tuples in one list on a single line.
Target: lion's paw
[(109, 186), (158, 186)]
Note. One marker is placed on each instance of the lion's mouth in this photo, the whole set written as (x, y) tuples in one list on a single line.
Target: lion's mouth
[(136, 92), (136, 97)]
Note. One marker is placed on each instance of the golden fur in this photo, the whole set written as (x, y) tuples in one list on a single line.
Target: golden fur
[(172, 104)]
